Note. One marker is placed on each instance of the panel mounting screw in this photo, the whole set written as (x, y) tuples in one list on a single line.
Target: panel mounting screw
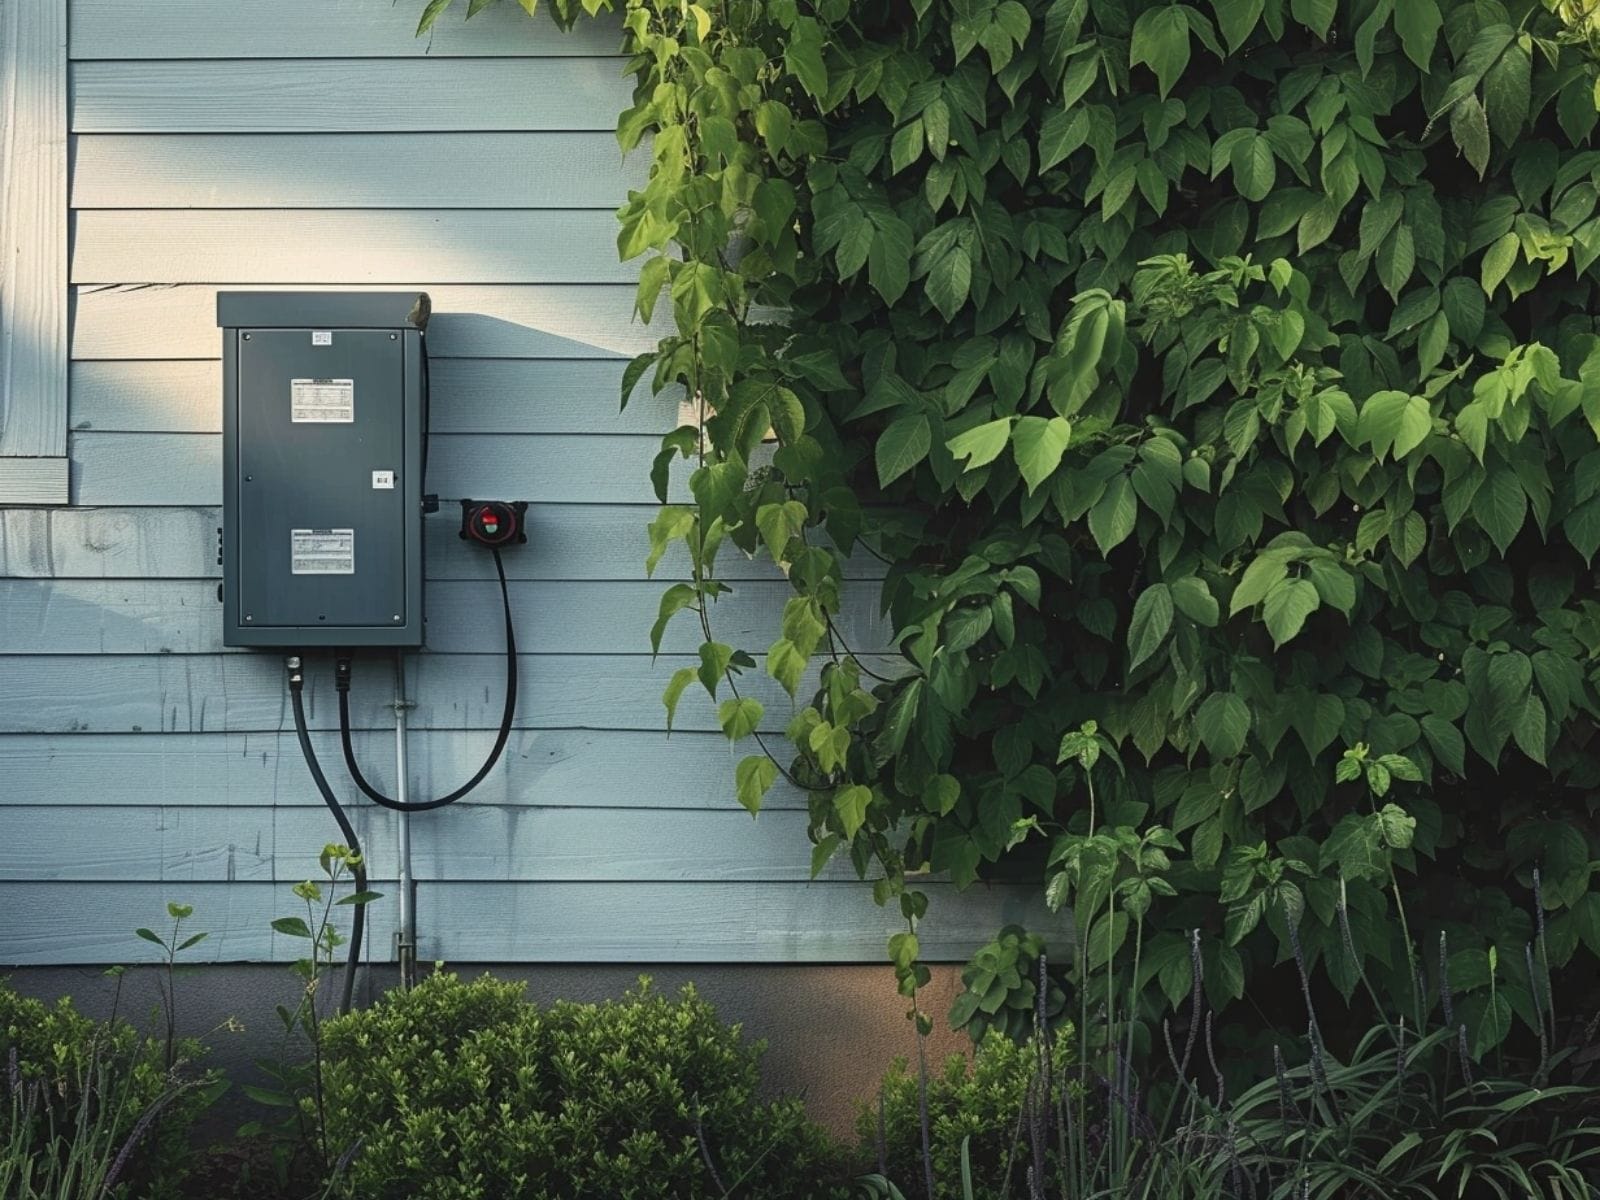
[(247, 337), (248, 617), (393, 336), (396, 617)]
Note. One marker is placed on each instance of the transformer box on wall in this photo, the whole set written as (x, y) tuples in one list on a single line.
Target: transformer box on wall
[(325, 417)]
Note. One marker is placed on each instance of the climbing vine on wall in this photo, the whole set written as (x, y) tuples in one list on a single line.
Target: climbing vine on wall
[(1215, 382)]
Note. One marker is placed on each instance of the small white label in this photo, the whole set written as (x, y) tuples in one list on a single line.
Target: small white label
[(383, 480), (322, 551), (322, 337), (322, 401)]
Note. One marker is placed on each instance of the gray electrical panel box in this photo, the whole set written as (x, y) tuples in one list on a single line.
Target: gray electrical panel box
[(325, 409)]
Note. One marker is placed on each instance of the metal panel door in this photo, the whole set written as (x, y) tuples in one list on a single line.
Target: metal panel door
[(321, 446)]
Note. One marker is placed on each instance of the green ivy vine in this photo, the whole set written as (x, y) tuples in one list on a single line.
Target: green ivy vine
[(1218, 386)]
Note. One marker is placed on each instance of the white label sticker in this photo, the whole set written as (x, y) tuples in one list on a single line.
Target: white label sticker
[(383, 479), (322, 401), (322, 551), (322, 337)]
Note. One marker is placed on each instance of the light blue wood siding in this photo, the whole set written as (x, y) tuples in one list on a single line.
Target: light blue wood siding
[(315, 143)]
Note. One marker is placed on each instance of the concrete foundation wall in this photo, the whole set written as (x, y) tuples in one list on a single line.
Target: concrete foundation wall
[(831, 1030)]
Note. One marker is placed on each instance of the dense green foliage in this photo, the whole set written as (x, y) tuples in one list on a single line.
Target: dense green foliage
[(977, 1103), (1221, 375), (466, 1090), (78, 1092)]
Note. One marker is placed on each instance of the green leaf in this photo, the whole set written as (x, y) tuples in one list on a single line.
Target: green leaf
[(950, 280), (1161, 42), (1038, 444), (195, 939), (850, 806), (291, 927), (739, 718), (902, 446), (822, 852), (1500, 507), (359, 899), (714, 660), (1193, 599), (670, 524), (1394, 421), (1260, 577), (1254, 168), (1498, 260), (1469, 129), (1152, 621), (430, 14), (1418, 23), (150, 935), (681, 679), (1237, 20), (982, 444), (1112, 518), (1508, 93), (1287, 606), (1317, 15), (755, 775), (786, 664), (1222, 722)]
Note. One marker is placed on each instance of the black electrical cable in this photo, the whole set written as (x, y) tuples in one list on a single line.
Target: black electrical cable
[(358, 922), (342, 682)]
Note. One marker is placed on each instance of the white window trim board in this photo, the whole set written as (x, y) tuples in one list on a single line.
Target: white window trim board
[(33, 252)]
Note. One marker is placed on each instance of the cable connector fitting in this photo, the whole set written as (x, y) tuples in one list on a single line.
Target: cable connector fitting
[(297, 678), (341, 673)]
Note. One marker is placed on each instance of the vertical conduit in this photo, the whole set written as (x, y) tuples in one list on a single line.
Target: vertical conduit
[(407, 935)]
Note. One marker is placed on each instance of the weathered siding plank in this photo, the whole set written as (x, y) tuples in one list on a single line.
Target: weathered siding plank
[(357, 170), (347, 246), (33, 216), (236, 693), (467, 842), (528, 321), (349, 95), (524, 922), (168, 29), (467, 396), (578, 767), (49, 923), (186, 468), (566, 542), (35, 480), (707, 922), (136, 616)]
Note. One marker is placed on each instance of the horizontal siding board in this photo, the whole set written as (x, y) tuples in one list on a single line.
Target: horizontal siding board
[(467, 396), (133, 321), (342, 246), (320, 29), (35, 480), (240, 693), (465, 842), (65, 923), (349, 95), (574, 767), (705, 922), (527, 922), (567, 542), (183, 617), (186, 468), (353, 170)]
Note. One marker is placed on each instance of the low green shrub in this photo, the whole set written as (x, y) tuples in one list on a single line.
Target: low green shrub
[(980, 1103), (461, 1091), (88, 1099)]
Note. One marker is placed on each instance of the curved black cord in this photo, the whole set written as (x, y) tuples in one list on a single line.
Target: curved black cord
[(358, 922), (342, 680)]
